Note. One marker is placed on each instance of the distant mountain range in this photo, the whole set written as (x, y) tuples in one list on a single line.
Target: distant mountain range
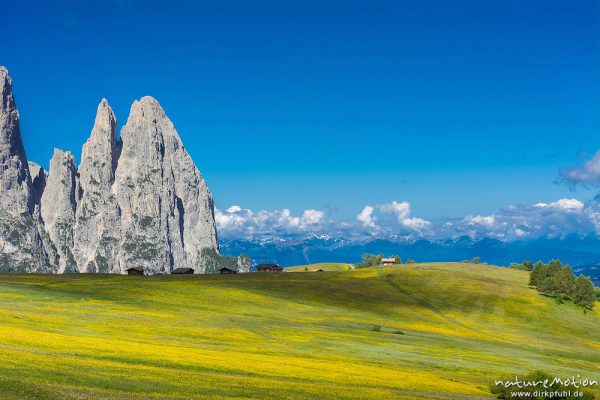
[(582, 253)]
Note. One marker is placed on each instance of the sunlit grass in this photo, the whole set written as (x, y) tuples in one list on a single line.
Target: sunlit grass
[(441, 329), (318, 266)]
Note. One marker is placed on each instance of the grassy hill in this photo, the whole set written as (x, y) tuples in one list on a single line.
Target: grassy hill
[(323, 266), (420, 331)]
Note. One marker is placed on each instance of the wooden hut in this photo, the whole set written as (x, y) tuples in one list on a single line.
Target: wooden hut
[(268, 268), (226, 270), (182, 271), (135, 271), (388, 261)]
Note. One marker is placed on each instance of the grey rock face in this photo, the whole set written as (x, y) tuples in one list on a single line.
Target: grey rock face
[(243, 263), (140, 202), (97, 230), (22, 246), (166, 208), (38, 182), (15, 181), (58, 205)]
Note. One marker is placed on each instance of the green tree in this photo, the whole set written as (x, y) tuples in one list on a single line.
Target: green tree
[(583, 293), (563, 281), (558, 281), (212, 261), (398, 259), (555, 264), (536, 273), (543, 271), (524, 266), (539, 271), (371, 260), (476, 260)]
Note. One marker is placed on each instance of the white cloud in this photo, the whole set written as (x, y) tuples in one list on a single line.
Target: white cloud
[(587, 174), (401, 210), (312, 217), (487, 221), (557, 219), (236, 220), (286, 219), (234, 209), (564, 204), (366, 217), (402, 213), (415, 223), (520, 233)]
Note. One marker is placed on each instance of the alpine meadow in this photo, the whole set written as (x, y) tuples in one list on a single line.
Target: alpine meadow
[(300, 199), (440, 330)]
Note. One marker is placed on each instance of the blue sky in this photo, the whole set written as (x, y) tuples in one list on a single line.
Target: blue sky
[(459, 107)]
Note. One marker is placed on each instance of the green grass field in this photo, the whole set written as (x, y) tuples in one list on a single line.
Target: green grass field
[(323, 266), (446, 331)]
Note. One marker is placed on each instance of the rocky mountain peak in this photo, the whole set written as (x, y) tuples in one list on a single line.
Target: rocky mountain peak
[(58, 205), (105, 125), (24, 246), (99, 153), (165, 204), (97, 226), (14, 171), (139, 201), (147, 106)]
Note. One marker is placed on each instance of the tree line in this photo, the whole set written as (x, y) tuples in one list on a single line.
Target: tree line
[(557, 280), (552, 279), (212, 261), (373, 260)]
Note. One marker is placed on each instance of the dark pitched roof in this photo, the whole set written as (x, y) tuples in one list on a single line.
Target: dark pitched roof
[(135, 269), (182, 270), (228, 269), (272, 266)]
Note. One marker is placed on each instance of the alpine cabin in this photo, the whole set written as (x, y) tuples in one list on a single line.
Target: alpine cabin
[(181, 271), (268, 268), (135, 271)]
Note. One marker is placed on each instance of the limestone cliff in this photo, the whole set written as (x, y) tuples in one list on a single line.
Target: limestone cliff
[(97, 228), (58, 205), (137, 202), (23, 244), (166, 208)]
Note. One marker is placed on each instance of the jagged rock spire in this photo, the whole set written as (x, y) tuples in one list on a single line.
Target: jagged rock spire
[(138, 202), (38, 182), (24, 245), (167, 210), (97, 228), (58, 205), (15, 181), (98, 155)]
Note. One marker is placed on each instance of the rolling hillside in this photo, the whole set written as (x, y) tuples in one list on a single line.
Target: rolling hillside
[(420, 331), (582, 253), (319, 266)]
